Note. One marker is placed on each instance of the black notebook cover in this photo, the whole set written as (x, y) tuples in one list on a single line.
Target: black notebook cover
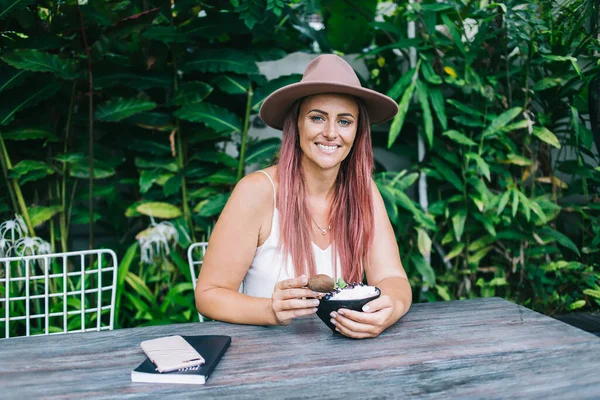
[(211, 347)]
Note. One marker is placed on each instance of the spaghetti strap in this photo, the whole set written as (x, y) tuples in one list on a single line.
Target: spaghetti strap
[(272, 184)]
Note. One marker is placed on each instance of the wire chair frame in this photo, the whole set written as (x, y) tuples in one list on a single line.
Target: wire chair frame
[(196, 264), (81, 285)]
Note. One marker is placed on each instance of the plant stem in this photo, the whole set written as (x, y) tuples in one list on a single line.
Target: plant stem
[(16, 189), (240, 172), (5, 173), (187, 213), (91, 132), (63, 194)]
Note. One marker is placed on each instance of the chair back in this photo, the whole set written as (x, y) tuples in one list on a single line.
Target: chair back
[(57, 293), (195, 254)]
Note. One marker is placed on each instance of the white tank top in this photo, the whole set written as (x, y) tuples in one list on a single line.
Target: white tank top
[(269, 266)]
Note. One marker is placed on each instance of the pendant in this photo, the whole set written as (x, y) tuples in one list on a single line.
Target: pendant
[(323, 232)]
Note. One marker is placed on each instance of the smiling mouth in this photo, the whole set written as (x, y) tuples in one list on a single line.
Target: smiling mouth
[(328, 149)]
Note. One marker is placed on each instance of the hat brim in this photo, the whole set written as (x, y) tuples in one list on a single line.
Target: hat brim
[(276, 106)]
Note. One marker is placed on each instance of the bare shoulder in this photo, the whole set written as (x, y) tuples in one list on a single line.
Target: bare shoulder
[(253, 192), (375, 192)]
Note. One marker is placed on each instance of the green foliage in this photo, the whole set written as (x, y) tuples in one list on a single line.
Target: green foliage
[(500, 95), (511, 103)]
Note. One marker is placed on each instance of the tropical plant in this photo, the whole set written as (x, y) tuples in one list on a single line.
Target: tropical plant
[(501, 105)]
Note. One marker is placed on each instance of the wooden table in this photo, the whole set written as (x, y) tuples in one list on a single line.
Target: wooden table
[(484, 348)]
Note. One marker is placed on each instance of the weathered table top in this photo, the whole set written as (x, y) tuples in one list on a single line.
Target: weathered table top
[(484, 348)]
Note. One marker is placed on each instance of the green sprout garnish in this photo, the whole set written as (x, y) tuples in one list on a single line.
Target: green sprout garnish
[(340, 284)]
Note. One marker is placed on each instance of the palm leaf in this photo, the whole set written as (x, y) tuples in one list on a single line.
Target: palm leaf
[(120, 108), (40, 61), (24, 99), (232, 84), (191, 93), (263, 91), (213, 116), (11, 77), (222, 60), (136, 80)]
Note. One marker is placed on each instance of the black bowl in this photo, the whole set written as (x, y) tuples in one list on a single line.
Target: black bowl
[(327, 306)]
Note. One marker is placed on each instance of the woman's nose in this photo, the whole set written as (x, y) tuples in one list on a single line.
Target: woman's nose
[(330, 130)]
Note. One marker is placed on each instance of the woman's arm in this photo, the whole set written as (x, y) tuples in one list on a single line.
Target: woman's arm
[(386, 272), (230, 252)]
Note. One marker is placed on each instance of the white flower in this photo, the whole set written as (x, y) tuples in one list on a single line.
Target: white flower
[(156, 240), (13, 229), (27, 246), (5, 246)]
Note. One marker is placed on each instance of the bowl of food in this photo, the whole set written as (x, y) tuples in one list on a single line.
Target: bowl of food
[(351, 296)]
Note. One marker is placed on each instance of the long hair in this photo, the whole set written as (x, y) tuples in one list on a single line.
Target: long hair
[(351, 211)]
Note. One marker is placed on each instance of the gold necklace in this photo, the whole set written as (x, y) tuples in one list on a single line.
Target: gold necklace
[(323, 231)]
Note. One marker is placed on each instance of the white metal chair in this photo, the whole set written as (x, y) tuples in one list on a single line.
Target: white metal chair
[(201, 246), (58, 293)]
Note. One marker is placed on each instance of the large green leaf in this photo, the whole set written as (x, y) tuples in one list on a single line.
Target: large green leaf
[(262, 92), (40, 61), (422, 93), (169, 164), (482, 166), (8, 6), (402, 110), (139, 286), (39, 215), (501, 121), (459, 138), (458, 224), (447, 172), (213, 116), (263, 150), (437, 101), (389, 200), (24, 99), (11, 77), (401, 84), (348, 23), (215, 157), (212, 206), (30, 170), (232, 84), (560, 238), (159, 210), (221, 60), (135, 79), (117, 109), (191, 93), (29, 133), (456, 36), (546, 136), (424, 268)]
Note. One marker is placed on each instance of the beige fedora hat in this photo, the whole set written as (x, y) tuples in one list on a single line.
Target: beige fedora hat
[(327, 73)]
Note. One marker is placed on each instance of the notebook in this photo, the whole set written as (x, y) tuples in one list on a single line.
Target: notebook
[(211, 347)]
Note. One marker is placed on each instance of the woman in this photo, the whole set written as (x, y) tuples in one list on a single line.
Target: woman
[(316, 211)]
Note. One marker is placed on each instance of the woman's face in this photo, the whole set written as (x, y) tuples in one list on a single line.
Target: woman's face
[(327, 125)]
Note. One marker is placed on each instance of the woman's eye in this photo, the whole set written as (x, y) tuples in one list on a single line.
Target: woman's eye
[(345, 122), (316, 118)]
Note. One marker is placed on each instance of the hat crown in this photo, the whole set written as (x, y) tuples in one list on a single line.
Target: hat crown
[(330, 68)]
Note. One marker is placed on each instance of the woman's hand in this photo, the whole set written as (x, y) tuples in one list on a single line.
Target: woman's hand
[(367, 324), (292, 299)]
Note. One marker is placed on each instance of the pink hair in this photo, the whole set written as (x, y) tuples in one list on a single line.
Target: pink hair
[(351, 212)]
